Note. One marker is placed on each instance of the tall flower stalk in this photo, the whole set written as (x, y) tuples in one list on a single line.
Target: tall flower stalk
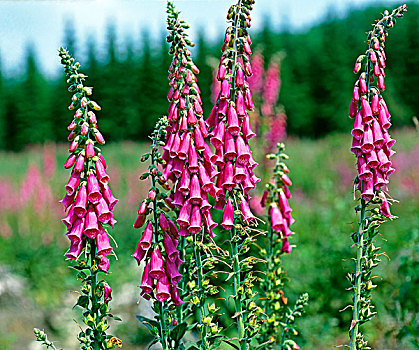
[(372, 147), (276, 330), (231, 131), (157, 247), (190, 166), (89, 203)]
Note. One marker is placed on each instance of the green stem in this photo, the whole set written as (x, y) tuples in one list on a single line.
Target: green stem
[(162, 327), (200, 277), (237, 296), (358, 276), (93, 297), (181, 308)]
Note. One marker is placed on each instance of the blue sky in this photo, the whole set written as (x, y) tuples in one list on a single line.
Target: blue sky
[(41, 22)]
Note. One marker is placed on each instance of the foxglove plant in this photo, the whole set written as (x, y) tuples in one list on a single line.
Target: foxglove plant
[(372, 146), (89, 203), (276, 329), (190, 166), (231, 131)]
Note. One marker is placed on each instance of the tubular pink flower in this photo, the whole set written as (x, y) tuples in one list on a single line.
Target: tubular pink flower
[(162, 289), (173, 271), (90, 150), (101, 172), (67, 200), (185, 182), (283, 204), (139, 222), (225, 89), (233, 122), (174, 294), (104, 264), (185, 214), (240, 105), (146, 280), (378, 134), (243, 152), (91, 228), (276, 218), (139, 253), (184, 147), (367, 145), (69, 218), (367, 190), (102, 242), (218, 138), (385, 163), (107, 293), (73, 183), (229, 146), (228, 216), (356, 147), (286, 247), (383, 119), (103, 213), (366, 111), (70, 161), (93, 189), (170, 248), (248, 216), (385, 208), (372, 160), (75, 249), (156, 267), (76, 231), (81, 202), (228, 183), (358, 129), (365, 173), (195, 193), (193, 159), (195, 223), (78, 167), (108, 195), (206, 182), (147, 237)]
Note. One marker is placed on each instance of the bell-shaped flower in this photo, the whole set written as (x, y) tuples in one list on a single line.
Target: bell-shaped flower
[(103, 213), (170, 248), (76, 231), (228, 216), (81, 202), (108, 195), (162, 289), (91, 228), (358, 130), (195, 223), (73, 183), (93, 189), (174, 293), (185, 214), (101, 172), (102, 242), (233, 121), (156, 267), (75, 249), (173, 271), (367, 145), (277, 219), (367, 190), (147, 237)]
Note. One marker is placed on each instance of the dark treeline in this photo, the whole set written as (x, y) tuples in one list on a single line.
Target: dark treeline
[(131, 82)]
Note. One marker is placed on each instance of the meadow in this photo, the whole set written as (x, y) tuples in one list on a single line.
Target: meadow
[(36, 285)]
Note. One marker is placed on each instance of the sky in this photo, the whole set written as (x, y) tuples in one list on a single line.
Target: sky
[(41, 22)]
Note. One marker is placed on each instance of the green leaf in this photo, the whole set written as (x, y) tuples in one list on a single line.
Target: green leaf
[(231, 344), (153, 326), (179, 331), (82, 301)]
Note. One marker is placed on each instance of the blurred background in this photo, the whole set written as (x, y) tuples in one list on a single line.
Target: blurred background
[(121, 47)]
